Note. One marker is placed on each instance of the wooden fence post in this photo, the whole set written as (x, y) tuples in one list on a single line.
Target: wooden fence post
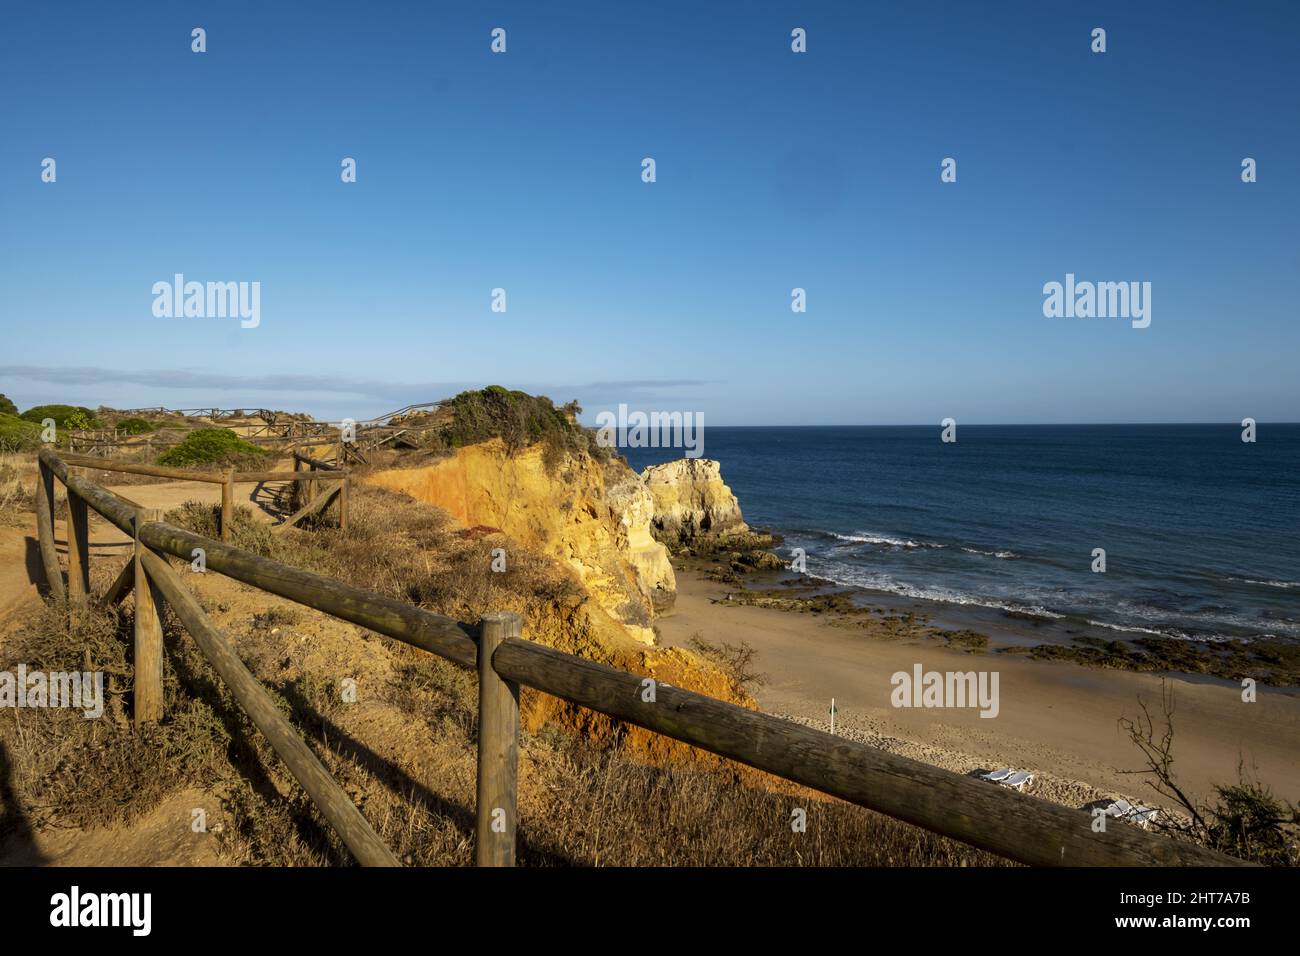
[(78, 535), (498, 747), (227, 504), (148, 633), (344, 492), (45, 533)]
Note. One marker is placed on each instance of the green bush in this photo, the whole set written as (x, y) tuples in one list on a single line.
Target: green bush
[(213, 446), (520, 420), (6, 406), (61, 414), (16, 434), (135, 426)]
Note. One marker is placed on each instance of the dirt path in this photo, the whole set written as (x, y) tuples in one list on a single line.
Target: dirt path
[(19, 569), (20, 561), (165, 836)]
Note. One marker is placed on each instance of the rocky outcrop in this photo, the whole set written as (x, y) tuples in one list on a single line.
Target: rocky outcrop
[(592, 516), (631, 503), (694, 509)]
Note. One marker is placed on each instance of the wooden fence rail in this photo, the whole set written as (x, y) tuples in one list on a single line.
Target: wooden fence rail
[(229, 478), (1005, 822)]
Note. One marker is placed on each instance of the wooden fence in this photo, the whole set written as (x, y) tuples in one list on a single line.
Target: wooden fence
[(110, 441), (368, 435), (273, 430), (1011, 824), (315, 503)]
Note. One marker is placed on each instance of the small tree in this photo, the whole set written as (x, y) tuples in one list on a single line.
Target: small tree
[(735, 660), (1246, 821)]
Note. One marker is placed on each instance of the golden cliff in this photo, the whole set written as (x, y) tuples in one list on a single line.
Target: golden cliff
[(597, 520), (593, 517)]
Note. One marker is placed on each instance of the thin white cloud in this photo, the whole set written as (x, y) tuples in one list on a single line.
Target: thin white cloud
[(282, 390)]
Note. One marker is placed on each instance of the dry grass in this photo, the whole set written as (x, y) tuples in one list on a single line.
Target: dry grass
[(579, 804), (74, 772), (401, 548), (18, 477)]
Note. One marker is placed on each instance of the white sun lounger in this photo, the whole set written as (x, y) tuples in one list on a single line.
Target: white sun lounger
[(997, 776), (1123, 810), (1143, 816), (1018, 780), (1119, 809)]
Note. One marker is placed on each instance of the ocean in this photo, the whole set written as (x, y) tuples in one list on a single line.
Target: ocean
[(1201, 530)]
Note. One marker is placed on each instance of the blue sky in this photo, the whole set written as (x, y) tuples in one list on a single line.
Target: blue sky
[(775, 170)]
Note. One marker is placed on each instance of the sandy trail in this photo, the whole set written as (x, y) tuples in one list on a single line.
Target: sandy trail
[(1058, 719), (20, 562)]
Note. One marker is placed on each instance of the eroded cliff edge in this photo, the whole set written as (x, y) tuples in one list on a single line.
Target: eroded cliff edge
[(594, 517)]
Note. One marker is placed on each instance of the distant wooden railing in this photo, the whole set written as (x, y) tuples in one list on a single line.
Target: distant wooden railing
[(274, 429), (105, 441), (1010, 824)]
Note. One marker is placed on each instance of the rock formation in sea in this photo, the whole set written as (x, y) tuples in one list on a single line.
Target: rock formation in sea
[(695, 511)]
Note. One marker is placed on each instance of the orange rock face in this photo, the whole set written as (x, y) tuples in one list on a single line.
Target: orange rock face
[(592, 517)]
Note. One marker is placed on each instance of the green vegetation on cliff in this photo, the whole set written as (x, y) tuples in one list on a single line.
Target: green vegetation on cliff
[(518, 419), (212, 446)]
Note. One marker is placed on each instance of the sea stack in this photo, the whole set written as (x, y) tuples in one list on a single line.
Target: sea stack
[(693, 507)]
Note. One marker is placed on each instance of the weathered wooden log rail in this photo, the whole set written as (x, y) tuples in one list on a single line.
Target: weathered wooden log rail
[(1011, 824)]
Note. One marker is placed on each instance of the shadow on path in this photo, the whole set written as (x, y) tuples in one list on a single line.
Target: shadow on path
[(17, 841)]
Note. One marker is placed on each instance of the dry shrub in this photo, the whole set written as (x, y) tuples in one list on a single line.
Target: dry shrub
[(401, 548), (1246, 819), (18, 477), (71, 771), (687, 816), (736, 660), (247, 531)]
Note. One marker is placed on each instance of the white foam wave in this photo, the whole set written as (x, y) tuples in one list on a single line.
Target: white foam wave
[(992, 554), (868, 537), (945, 595), (1130, 629)]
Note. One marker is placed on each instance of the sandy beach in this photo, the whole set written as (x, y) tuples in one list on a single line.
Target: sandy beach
[(1057, 719)]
